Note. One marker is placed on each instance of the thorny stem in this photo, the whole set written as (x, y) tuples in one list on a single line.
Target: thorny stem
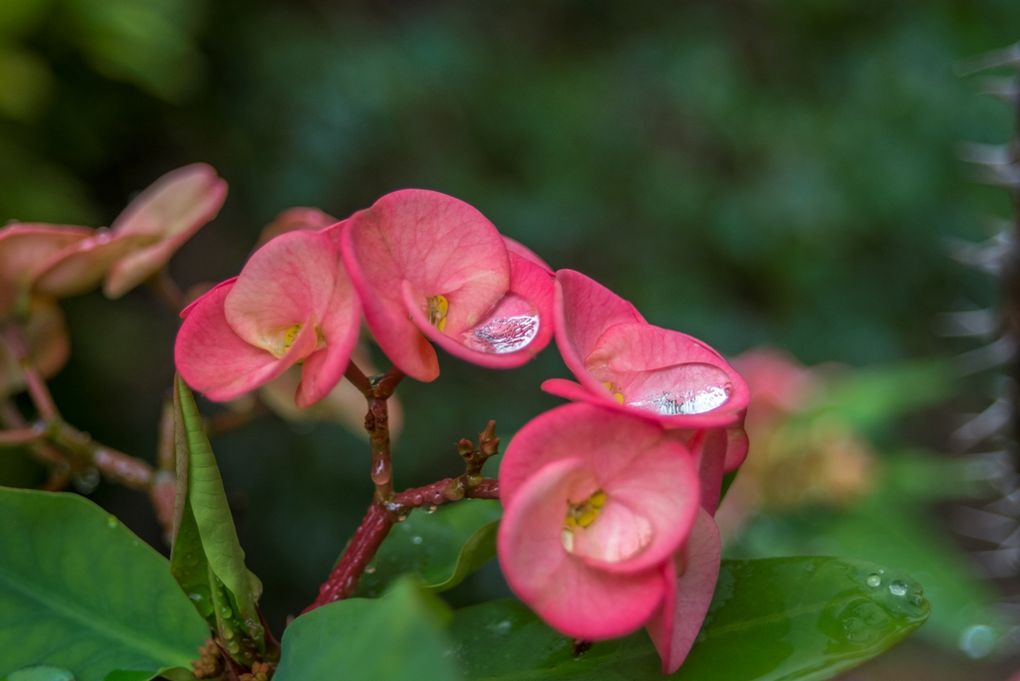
[(389, 507)]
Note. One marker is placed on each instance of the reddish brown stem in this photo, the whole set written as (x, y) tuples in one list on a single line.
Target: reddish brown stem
[(380, 518), (20, 436)]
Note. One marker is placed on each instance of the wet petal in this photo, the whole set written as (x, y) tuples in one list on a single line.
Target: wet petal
[(439, 246)]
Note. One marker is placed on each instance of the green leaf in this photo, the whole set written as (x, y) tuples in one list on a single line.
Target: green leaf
[(398, 637), (207, 559), (443, 547), (79, 590), (40, 674), (795, 619)]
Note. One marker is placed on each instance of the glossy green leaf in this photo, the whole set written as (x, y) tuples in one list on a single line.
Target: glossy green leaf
[(398, 637), (442, 547), (795, 619), (207, 559), (42, 673), (78, 590)]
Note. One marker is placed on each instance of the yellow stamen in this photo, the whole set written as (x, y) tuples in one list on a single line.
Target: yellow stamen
[(615, 390), (583, 514), (437, 307), (288, 337)]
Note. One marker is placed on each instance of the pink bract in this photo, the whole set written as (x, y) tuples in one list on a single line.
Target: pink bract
[(431, 267), (690, 583), (626, 364), (26, 248), (292, 302), (163, 217), (595, 503)]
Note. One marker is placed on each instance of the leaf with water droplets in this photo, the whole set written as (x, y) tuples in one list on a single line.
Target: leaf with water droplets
[(398, 637), (207, 559), (789, 619), (443, 547), (81, 594)]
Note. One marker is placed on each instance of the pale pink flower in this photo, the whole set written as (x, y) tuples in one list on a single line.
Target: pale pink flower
[(25, 248), (60, 261), (596, 504), (430, 267), (626, 364), (293, 302)]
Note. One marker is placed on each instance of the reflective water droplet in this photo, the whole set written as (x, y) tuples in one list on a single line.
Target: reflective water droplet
[(416, 539), (431, 509), (897, 588), (874, 580), (226, 612), (111, 522), (418, 499), (402, 517), (683, 389), (86, 481), (381, 473), (511, 326), (978, 641), (229, 634), (370, 570), (196, 597), (501, 627)]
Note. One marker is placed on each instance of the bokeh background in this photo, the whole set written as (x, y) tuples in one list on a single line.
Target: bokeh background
[(780, 173)]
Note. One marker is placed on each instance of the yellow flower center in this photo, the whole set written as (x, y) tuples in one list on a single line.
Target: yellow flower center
[(581, 515), (436, 309), (615, 390)]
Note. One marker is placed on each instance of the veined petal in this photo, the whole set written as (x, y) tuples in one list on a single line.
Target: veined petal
[(289, 282), (214, 360), (574, 598), (690, 587), (442, 248), (517, 328), (25, 247), (584, 310)]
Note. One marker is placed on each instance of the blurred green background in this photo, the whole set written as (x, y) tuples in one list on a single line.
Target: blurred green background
[(750, 172)]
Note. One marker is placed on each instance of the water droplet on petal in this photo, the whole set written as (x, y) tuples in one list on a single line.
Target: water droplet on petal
[(874, 580), (512, 326), (897, 588), (226, 612), (683, 389)]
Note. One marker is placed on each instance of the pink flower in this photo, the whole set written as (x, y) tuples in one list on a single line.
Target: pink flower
[(628, 365), (293, 302), (596, 505), (46, 341), (429, 267), (60, 260), (690, 584)]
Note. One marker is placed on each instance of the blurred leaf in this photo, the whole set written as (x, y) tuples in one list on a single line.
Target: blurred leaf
[(867, 399), (20, 16), (79, 590), (398, 637), (27, 82), (442, 547), (207, 559), (788, 618), (40, 674), (896, 535), (144, 43)]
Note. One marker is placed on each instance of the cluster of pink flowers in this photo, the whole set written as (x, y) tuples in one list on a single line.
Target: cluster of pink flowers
[(40, 263), (608, 501)]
